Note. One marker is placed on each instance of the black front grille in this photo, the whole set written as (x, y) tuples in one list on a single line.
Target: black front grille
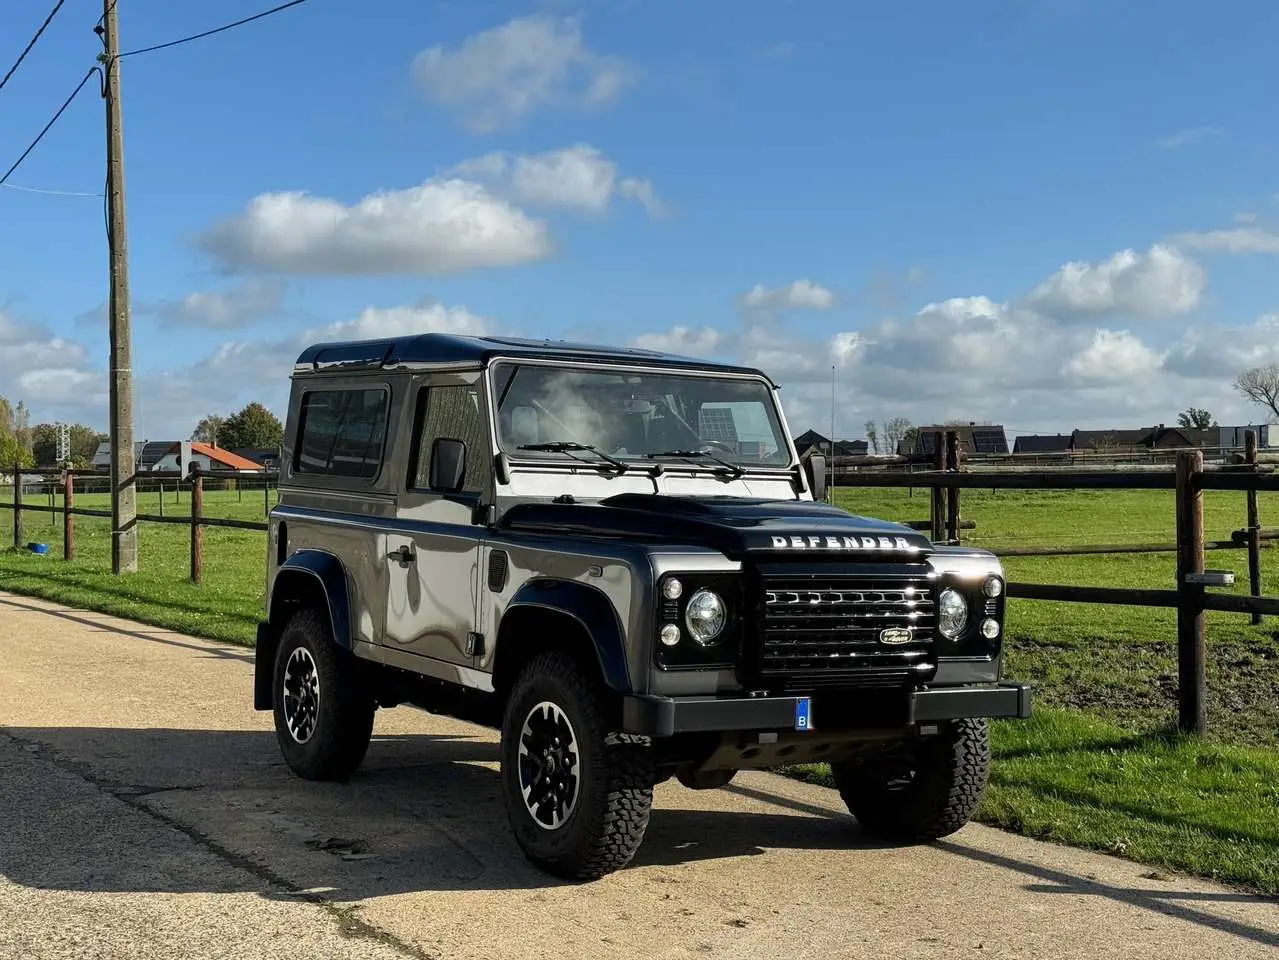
[(872, 628)]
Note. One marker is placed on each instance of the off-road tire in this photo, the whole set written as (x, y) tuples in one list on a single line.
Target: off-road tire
[(344, 718), (948, 773), (616, 774)]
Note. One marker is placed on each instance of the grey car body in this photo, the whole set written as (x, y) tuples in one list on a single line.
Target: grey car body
[(443, 557)]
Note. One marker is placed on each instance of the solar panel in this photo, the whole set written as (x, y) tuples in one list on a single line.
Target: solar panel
[(716, 423)]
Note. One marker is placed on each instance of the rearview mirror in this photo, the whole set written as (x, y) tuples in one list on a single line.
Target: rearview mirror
[(815, 470), (447, 472)]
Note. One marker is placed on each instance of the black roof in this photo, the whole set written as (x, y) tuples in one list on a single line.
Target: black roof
[(1042, 443), (453, 348)]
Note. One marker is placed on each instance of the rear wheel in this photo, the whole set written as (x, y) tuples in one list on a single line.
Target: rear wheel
[(323, 707), (578, 794), (923, 790)]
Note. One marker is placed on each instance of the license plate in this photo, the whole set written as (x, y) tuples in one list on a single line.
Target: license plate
[(804, 713)]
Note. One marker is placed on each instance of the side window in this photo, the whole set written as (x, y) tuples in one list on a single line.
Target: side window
[(454, 412), (342, 433)]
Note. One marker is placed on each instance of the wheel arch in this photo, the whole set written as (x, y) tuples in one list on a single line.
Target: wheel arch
[(547, 614), (309, 579)]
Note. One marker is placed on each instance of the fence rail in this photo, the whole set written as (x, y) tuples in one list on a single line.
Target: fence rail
[(197, 520), (1189, 477)]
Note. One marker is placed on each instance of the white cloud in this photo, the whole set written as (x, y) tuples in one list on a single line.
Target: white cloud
[(505, 73), (440, 227), (378, 322), (51, 374), (800, 294), (1113, 355), (1160, 281), (577, 177), (1246, 239), (689, 341), (238, 306), (1187, 136)]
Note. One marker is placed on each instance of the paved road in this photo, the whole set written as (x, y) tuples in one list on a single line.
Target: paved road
[(145, 812)]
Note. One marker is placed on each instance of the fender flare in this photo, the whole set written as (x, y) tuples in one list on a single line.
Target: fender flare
[(316, 568), (593, 611)]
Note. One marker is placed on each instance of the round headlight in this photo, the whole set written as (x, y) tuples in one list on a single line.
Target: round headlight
[(994, 587), (990, 629), (672, 589), (952, 613), (705, 616), (670, 635)]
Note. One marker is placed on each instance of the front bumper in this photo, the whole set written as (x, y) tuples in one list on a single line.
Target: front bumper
[(667, 716)]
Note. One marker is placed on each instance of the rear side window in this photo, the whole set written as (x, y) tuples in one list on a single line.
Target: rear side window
[(342, 433)]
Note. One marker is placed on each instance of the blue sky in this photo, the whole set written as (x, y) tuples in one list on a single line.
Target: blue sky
[(1049, 214)]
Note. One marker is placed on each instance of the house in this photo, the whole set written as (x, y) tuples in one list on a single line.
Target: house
[(182, 455), (1042, 443), (267, 457), (1110, 441), (1233, 437), (974, 439), (171, 455), (813, 442)]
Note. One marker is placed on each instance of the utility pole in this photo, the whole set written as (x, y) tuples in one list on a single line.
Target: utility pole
[(124, 530)]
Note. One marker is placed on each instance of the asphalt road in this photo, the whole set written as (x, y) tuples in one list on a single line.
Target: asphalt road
[(145, 812)]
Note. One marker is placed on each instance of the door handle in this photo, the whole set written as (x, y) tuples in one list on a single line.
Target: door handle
[(404, 554)]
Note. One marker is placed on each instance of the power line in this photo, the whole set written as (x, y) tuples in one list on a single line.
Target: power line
[(209, 33), (66, 103), (51, 193), (22, 56)]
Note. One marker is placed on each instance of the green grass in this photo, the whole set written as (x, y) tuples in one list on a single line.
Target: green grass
[(1157, 798), (1095, 767)]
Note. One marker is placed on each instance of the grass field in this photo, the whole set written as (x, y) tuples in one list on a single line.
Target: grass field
[(1095, 767)]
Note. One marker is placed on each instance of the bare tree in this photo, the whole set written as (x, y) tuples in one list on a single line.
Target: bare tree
[(207, 430), (895, 429), (872, 434), (1261, 386)]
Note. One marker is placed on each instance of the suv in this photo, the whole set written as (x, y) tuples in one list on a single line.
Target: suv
[(617, 558)]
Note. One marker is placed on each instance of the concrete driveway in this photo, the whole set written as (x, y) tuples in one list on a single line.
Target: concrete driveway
[(145, 812)]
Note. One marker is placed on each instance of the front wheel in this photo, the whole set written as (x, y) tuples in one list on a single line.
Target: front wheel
[(578, 794), (323, 708), (923, 790)]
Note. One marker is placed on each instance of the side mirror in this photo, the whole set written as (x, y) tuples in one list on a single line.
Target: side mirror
[(815, 470), (447, 472)]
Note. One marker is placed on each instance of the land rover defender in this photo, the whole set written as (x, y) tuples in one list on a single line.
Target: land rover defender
[(615, 557)]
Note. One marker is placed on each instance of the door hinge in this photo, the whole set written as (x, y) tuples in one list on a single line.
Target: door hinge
[(475, 644)]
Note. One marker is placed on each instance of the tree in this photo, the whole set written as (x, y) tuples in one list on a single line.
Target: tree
[(84, 444), (872, 434), (1261, 386), (895, 430), (44, 444), (1195, 418), (254, 426), (209, 430)]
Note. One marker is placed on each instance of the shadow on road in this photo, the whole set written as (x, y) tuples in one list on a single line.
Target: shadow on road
[(423, 813)]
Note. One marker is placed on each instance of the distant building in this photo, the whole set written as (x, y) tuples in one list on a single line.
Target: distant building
[(810, 441), (267, 457), (1042, 443), (170, 455), (974, 439)]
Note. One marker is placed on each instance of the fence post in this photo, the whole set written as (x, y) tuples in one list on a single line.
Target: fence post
[(197, 529), (1191, 667), (952, 494), (266, 495), (68, 518), (939, 493), (17, 506), (1254, 525)]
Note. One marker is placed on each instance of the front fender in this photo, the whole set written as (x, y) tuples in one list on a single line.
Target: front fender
[(593, 610)]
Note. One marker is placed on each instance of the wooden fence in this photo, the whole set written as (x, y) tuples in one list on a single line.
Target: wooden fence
[(1189, 478), (146, 482), (1189, 595)]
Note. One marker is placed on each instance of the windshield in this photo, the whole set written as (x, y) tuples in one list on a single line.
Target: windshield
[(636, 416)]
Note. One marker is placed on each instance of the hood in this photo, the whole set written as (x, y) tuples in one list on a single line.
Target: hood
[(736, 526)]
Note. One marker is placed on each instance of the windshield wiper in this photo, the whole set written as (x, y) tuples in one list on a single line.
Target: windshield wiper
[(570, 447), (691, 456)]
